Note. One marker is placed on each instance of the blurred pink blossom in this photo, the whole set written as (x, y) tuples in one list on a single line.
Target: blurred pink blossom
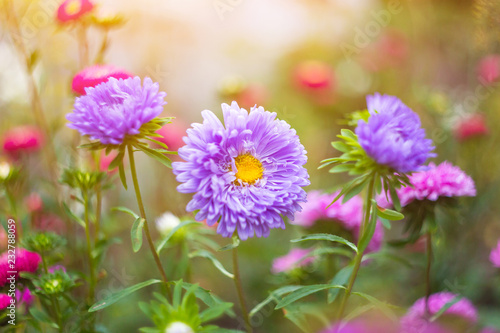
[(495, 255), (293, 259), (488, 69), (472, 126), (71, 10), (22, 139), (96, 74)]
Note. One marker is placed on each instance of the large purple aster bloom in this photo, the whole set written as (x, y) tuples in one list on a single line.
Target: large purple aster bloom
[(393, 135), (117, 108), (245, 173)]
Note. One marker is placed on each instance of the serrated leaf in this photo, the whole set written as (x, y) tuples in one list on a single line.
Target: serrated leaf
[(121, 294), (136, 233), (303, 292), (211, 257), (165, 240), (326, 237)]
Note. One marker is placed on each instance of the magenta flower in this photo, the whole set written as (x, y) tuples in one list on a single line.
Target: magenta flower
[(22, 139), (5, 301), (72, 10), (417, 318), (444, 180), (113, 110), (294, 259), (349, 215), (488, 69), (246, 174), (26, 261), (495, 255), (24, 297), (95, 75)]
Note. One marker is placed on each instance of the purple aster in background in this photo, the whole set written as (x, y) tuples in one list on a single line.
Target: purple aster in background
[(348, 215), (245, 173), (117, 108), (393, 135), (444, 180), (417, 318), (495, 255), (294, 259)]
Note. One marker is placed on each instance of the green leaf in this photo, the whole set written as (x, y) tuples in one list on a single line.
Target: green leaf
[(156, 155), (340, 278), (394, 197), (42, 317), (382, 306), (341, 146), (233, 245), (206, 297), (165, 240), (125, 210), (72, 215), (136, 233), (117, 160), (123, 178), (355, 189), (326, 237), (211, 257), (349, 134), (370, 230), (215, 312), (303, 292), (341, 168), (274, 296), (389, 214), (121, 294)]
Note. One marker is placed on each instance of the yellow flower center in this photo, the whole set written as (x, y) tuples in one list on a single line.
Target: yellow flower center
[(249, 169), (73, 7)]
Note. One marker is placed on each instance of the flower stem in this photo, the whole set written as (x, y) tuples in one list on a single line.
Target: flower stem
[(143, 215), (239, 289), (359, 255), (92, 283), (428, 272), (56, 310)]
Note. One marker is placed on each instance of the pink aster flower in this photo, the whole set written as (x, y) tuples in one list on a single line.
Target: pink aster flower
[(24, 297), (471, 126), (417, 318), (33, 202), (314, 74), (172, 135), (22, 139), (5, 301), (495, 255), (488, 69), (26, 261), (72, 10), (294, 259), (349, 215), (444, 180), (96, 74)]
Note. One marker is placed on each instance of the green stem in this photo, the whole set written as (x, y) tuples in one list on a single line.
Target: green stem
[(143, 215), (56, 309), (89, 251), (428, 272), (239, 289), (359, 255)]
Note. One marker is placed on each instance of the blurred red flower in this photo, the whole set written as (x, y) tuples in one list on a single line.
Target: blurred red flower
[(22, 139), (472, 126), (71, 10)]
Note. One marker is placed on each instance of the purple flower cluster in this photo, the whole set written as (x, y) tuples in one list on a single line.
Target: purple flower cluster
[(117, 108), (444, 180), (417, 318), (349, 215), (393, 135), (245, 173)]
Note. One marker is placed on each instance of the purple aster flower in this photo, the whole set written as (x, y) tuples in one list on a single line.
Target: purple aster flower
[(495, 255), (348, 215), (444, 180), (245, 173), (117, 108), (393, 135), (417, 318), (294, 259)]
